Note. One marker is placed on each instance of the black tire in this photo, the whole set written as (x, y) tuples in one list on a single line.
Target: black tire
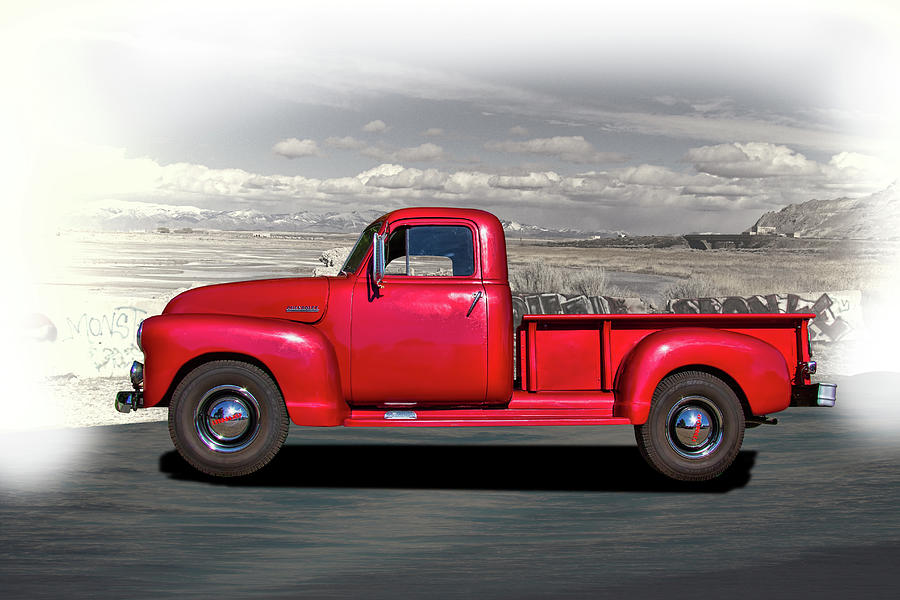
[(227, 418), (679, 446)]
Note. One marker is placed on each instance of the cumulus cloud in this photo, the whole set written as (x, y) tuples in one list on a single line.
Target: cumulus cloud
[(752, 160), (433, 132), (341, 186), (294, 148), (376, 126), (518, 130), (856, 166), (660, 176), (574, 149), (532, 181), (429, 179)]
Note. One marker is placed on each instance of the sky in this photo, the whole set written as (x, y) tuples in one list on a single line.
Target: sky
[(647, 117)]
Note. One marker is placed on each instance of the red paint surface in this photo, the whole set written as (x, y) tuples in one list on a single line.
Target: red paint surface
[(299, 357), (411, 345)]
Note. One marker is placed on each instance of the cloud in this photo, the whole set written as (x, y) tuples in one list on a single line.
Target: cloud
[(377, 126), (661, 176), (532, 181), (644, 197), (568, 148), (753, 159), (429, 179), (294, 148), (518, 130), (341, 186), (421, 153), (856, 166), (345, 143), (433, 132)]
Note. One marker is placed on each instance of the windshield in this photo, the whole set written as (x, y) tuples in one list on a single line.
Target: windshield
[(361, 248)]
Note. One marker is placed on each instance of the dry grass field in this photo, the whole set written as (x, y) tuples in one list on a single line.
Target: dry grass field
[(840, 265)]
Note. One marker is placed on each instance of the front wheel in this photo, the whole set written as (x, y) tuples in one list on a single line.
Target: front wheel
[(227, 418), (695, 427)]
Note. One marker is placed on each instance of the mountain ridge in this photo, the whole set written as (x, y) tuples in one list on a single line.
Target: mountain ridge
[(125, 215)]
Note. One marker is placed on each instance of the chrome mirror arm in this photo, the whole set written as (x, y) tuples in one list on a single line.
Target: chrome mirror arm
[(378, 259)]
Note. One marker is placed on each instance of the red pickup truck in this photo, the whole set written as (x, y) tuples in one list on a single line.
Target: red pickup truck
[(417, 330)]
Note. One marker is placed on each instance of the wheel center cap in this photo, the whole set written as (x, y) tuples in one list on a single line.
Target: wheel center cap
[(228, 418), (692, 427)]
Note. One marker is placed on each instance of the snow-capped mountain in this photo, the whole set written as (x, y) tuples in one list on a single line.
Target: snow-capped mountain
[(514, 229), (122, 215), (131, 216)]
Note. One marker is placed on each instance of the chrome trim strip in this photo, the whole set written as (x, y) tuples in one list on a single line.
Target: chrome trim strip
[(407, 415)]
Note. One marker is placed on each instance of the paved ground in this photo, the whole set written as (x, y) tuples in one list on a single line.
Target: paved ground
[(809, 508)]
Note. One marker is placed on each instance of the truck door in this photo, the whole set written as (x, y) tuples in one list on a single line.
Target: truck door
[(421, 339)]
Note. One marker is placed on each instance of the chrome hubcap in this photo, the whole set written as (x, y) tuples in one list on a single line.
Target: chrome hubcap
[(694, 427), (227, 418)]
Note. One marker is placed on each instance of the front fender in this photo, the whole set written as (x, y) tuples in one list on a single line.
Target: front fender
[(757, 367), (300, 357)]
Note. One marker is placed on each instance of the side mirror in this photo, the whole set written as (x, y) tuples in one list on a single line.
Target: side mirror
[(378, 259)]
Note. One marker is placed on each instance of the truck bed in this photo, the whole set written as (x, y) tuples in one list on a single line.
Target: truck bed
[(583, 352)]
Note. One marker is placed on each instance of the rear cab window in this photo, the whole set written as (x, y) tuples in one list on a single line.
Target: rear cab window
[(431, 251)]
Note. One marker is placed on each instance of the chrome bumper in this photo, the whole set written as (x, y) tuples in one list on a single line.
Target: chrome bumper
[(133, 400), (814, 394), (129, 401)]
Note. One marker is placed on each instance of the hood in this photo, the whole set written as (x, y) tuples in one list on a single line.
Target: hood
[(301, 299)]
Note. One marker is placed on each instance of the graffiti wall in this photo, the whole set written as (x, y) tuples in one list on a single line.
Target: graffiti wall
[(557, 304), (87, 337), (838, 314)]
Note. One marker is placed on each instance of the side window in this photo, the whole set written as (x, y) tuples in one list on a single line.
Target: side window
[(431, 250)]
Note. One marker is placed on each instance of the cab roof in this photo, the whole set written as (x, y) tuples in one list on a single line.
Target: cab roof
[(440, 212)]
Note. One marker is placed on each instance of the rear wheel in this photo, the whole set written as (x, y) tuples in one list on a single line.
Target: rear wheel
[(695, 427), (227, 418)]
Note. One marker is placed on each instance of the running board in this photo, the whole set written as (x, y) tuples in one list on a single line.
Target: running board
[(503, 417)]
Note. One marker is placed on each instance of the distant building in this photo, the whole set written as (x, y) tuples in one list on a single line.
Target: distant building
[(763, 230)]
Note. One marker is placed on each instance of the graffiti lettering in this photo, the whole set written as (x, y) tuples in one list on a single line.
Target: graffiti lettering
[(111, 360), (832, 322), (557, 304), (828, 324), (121, 323)]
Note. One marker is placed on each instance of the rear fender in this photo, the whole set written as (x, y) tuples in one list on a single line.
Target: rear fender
[(757, 367), (300, 358)]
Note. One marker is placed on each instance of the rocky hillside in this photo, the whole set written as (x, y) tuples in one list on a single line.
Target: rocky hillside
[(876, 216)]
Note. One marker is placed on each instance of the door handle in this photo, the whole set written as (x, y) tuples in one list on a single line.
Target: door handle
[(477, 297)]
